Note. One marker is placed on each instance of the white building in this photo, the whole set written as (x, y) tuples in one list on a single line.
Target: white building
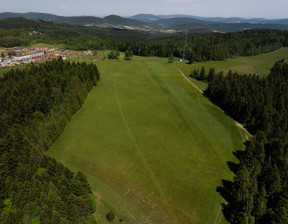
[(3, 64), (28, 56)]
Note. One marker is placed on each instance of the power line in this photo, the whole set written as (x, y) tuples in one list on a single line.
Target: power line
[(184, 57)]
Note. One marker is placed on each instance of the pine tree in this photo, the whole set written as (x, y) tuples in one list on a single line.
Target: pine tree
[(171, 58), (128, 54), (202, 75)]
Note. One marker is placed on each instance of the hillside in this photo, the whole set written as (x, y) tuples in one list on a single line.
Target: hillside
[(149, 22), (260, 64), (36, 188), (19, 23), (145, 17), (145, 138), (232, 24), (153, 18), (167, 23), (261, 170), (109, 21), (118, 20), (79, 20), (280, 21), (228, 27), (15, 32)]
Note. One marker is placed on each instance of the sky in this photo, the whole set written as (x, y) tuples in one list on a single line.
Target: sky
[(207, 8)]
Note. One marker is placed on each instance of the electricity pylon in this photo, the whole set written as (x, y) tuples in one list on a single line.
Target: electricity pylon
[(184, 57)]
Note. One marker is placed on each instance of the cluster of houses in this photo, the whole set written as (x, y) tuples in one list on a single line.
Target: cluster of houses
[(16, 56)]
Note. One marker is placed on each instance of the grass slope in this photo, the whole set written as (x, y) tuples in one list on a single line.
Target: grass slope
[(153, 148), (260, 64)]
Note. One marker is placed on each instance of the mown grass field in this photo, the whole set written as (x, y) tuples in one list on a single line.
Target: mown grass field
[(154, 149), (260, 64)]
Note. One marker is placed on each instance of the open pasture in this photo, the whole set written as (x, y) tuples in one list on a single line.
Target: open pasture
[(260, 64), (153, 148)]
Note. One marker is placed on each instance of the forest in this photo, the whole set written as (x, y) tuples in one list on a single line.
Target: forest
[(215, 47), (35, 105), (258, 192), (205, 47)]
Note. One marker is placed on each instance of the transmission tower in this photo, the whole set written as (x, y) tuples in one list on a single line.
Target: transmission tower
[(185, 47)]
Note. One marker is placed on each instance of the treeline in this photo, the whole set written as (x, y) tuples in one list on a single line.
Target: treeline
[(35, 105), (259, 191), (215, 47), (202, 76)]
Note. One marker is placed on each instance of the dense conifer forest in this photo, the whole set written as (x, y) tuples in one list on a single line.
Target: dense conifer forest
[(217, 46), (258, 193), (35, 105)]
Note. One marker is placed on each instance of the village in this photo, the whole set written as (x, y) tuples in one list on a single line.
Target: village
[(11, 57)]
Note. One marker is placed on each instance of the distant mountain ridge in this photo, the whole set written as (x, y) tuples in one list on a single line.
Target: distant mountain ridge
[(147, 18), (108, 21), (166, 23), (228, 27), (220, 24)]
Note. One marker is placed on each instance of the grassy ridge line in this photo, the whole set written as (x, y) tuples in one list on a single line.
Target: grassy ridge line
[(184, 138)]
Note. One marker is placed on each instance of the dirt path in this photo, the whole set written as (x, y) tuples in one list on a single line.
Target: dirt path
[(247, 134), (189, 80), (219, 211)]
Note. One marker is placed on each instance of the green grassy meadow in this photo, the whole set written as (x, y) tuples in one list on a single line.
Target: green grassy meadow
[(153, 148), (260, 64)]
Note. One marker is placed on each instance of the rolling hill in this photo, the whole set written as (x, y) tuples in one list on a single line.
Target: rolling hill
[(232, 24), (68, 34), (279, 21), (228, 27), (126, 22), (166, 23), (153, 18), (145, 17), (149, 22), (79, 20), (111, 21), (260, 64)]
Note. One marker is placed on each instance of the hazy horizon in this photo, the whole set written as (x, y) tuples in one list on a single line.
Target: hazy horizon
[(128, 16), (126, 8)]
